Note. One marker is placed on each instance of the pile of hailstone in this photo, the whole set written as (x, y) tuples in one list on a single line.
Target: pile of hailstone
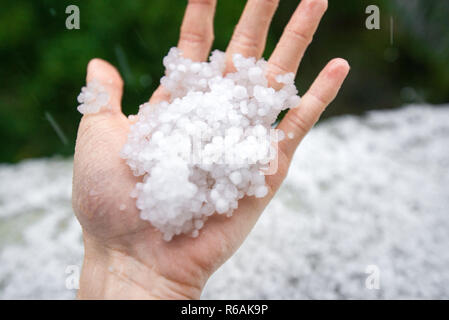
[(208, 146), (93, 97)]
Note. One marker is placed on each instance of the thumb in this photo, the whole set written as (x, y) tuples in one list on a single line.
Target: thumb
[(108, 77)]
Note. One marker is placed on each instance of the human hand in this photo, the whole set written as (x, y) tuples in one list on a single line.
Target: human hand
[(125, 256)]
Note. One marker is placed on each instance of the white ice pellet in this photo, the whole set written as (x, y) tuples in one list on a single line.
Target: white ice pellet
[(195, 233), (255, 74), (92, 98), (221, 205), (202, 151), (281, 135), (236, 177), (261, 192), (240, 92)]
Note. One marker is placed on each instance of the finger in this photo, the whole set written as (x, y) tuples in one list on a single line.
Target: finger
[(250, 33), (159, 95), (197, 30), (295, 39), (298, 121), (109, 78), (195, 39)]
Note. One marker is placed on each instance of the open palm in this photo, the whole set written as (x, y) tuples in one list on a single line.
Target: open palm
[(125, 256)]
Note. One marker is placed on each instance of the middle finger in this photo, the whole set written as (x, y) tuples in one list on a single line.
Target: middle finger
[(250, 34), (295, 39)]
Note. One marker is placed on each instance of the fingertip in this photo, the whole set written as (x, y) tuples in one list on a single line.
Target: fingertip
[(338, 67), (334, 73), (108, 76), (104, 72), (318, 5), (96, 63)]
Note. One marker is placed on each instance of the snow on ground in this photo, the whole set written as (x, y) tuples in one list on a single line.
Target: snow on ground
[(362, 191)]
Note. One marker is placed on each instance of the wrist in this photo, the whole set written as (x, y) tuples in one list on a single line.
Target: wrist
[(111, 274)]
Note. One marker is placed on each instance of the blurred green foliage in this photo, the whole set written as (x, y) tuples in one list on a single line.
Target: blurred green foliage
[(43, 64)]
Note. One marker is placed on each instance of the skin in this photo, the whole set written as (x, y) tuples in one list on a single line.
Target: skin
[(125, 257)]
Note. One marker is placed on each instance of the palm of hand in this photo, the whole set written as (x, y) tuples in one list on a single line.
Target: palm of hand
[(103, 182)]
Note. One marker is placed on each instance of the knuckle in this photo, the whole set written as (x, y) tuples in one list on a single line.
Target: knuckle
[(195, 37), (298, 36), (299, 121), (320, 102), (202, 2), (245, 39), (275, 68), (271, 2)]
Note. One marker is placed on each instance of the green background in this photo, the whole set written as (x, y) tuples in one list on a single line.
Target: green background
[(43, 64)]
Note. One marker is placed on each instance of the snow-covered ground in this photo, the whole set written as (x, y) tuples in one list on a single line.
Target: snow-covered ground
[(363, 193)]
